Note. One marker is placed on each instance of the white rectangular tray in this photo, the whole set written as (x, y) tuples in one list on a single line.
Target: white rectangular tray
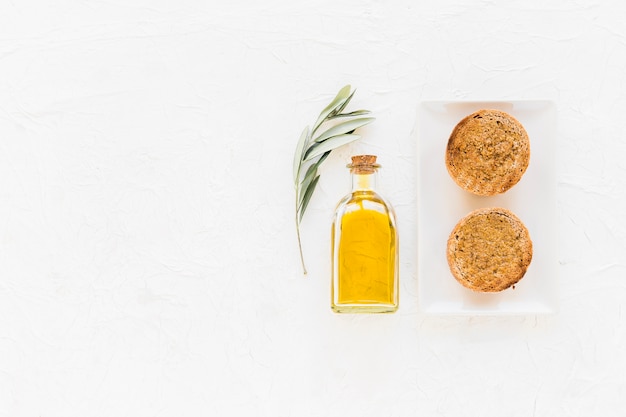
[(441, 204)]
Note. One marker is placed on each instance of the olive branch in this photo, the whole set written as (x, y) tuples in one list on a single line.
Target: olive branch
[(312, 150)]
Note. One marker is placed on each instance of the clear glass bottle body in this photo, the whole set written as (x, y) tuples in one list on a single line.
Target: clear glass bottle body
[(364, 248)]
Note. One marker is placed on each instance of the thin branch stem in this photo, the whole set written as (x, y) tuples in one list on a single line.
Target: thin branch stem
[(299, 240)]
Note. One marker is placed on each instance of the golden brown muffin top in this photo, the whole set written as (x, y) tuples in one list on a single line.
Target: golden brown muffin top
[(488, 152), (489, 250)]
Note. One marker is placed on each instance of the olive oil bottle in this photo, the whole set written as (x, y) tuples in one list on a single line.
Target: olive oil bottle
[(364, 246)]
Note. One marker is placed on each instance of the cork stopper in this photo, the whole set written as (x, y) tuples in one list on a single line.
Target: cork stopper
[(363, 164)]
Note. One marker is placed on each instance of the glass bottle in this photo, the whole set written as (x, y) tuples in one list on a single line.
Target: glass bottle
[(364, 246)]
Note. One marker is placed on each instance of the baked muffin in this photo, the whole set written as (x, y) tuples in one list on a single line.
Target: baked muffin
[(489, 250), (488, 152)]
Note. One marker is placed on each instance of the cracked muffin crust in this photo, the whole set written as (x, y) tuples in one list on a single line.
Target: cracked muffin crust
[(489, 250), (488, 152)]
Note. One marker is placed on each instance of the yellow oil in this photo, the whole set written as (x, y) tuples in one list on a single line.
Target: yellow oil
[(364, 256)]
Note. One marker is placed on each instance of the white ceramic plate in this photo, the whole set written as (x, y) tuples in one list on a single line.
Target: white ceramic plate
[(441, 204)]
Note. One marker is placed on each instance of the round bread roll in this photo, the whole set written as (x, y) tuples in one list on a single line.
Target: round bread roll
[(488, 152), (489, 250)]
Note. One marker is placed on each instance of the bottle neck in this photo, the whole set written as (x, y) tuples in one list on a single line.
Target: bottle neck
[(364, 181)]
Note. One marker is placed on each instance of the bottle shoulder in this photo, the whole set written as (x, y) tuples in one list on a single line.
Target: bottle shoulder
[(369, 200)]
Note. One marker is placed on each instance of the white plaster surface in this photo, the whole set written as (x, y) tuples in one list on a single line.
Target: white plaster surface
[(148, 259)]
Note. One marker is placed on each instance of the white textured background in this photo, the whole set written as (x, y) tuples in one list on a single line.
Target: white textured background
[(148, 261)]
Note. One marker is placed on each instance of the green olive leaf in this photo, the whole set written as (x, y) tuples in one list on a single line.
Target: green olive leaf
[(343, 128), (329, 144), (298, 156), (343, 105), (307, 197), (311, 173), (351, 114), (342, 97)]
